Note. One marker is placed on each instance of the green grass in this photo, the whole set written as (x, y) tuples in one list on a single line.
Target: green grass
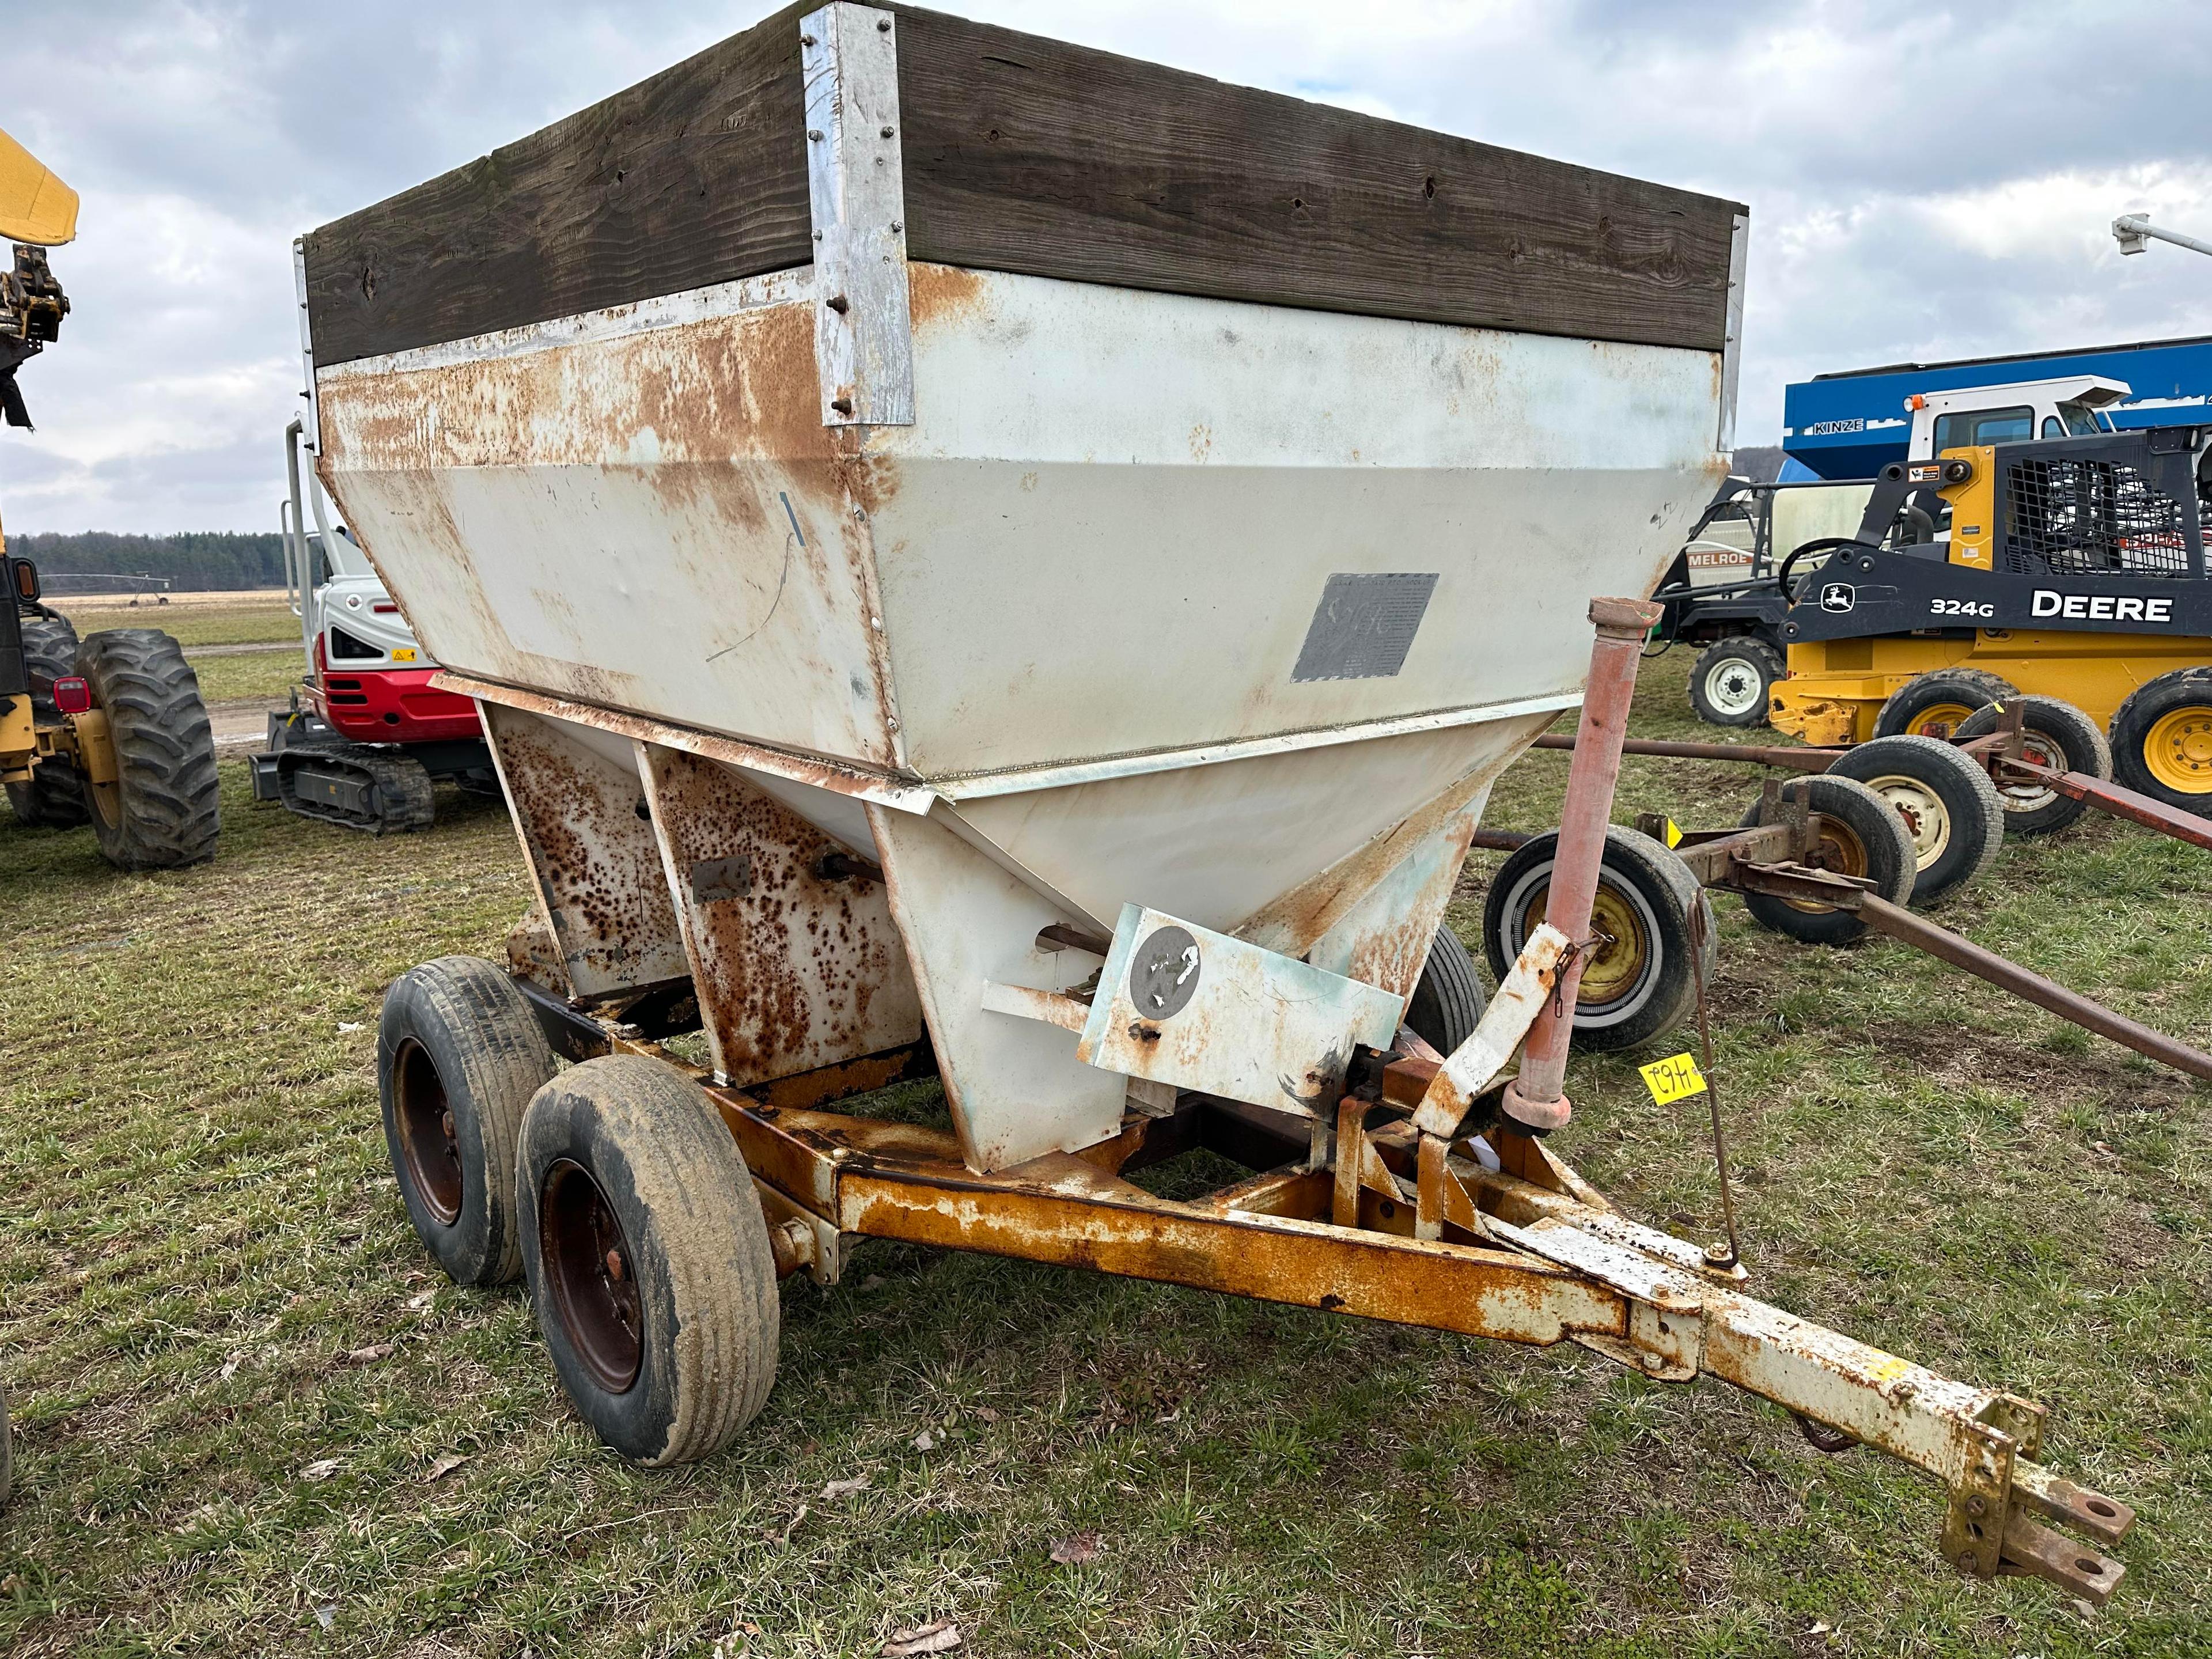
[(197, 1226), (194, 624), (263, 674)]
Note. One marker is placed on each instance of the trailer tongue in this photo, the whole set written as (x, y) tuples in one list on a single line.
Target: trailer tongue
[(935, 606)]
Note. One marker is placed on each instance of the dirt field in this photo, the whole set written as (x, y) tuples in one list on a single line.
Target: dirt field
[(240, 1390)]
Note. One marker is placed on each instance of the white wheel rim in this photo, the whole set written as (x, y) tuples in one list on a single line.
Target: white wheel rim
[(2034, 796), (1734, 686), (1922, 809)]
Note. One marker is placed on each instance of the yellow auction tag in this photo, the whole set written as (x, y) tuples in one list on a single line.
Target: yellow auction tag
[(1675, 1078), (1673, 835), (406, 653)]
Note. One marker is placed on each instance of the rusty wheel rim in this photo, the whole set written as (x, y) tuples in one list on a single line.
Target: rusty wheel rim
[(428, 1143), (587, 1263), (2034, 796), (1840, 852), (1939, 719), (1616, 970)]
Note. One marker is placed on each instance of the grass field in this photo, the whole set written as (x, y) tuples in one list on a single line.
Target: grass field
[(212, 1297), (224, 620)]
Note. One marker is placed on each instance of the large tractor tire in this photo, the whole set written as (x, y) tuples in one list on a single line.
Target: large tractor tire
[(1937, 703), (2162, 740), (1949, 806), (650, 1267), (161, 813), (2054, 734), (54, 798), (1644, 983), (1732, 680)]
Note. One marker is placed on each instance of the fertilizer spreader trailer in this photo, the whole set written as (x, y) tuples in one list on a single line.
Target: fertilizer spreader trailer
[(995, 591)]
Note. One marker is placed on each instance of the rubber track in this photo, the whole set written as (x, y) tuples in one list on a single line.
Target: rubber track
[(164, 750), (403, 795)]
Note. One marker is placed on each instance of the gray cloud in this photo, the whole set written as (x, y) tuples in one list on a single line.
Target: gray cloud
[(1924, 181)]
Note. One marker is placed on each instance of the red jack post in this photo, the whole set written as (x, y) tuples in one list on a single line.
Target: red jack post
[(1535, 1099)]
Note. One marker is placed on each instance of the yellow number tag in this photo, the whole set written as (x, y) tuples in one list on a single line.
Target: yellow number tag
[(1675, 1078), (404, 653)]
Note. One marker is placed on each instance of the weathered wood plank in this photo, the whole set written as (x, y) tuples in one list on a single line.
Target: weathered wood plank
[(1025, 155), (1029, 154), (696, 175)]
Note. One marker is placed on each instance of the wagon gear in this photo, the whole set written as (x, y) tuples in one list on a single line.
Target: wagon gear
[(850, 721)]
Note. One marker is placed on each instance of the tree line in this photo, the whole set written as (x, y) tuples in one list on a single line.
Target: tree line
[(192, 561)]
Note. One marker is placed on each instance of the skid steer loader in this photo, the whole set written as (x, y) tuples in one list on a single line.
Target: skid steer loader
[(109, 729)]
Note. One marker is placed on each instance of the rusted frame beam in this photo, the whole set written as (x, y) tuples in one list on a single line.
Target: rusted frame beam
[(1789, 758)]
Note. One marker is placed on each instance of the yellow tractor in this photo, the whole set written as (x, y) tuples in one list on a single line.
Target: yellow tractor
[(2073, 584), (109, 729)]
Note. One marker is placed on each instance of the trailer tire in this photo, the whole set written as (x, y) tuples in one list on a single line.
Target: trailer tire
[(2162, 740), (1643, 985), (1932, 705), (1733, 679), (649, 1263), (54, 798), (459, 1056), (162, 811), (1862, 836), (2057, 734), (1447, 1002), (1950, 809)]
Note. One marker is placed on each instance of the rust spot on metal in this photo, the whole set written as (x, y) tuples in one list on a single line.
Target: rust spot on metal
[(795, 969), (938, 293)]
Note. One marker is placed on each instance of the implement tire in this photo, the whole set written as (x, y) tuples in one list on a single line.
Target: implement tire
[(1732, 680), (1641, 986), (2056, 734), (2162, 740), (1950, 809), (1861, 834), (161, 813), (1934, 704), (459, 1056), (54, 798), (650, 1267), (1449, 1000)]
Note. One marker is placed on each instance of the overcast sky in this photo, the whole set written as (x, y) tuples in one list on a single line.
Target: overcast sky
[(1925, 181)]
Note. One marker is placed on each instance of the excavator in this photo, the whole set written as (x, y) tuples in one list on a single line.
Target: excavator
[(110, 729)]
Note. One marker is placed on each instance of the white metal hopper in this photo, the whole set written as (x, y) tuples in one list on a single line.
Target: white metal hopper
[(1049, 595)]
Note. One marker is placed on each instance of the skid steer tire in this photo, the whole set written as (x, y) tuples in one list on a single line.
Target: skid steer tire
[(1950, 809), (1644, 984), (1447, 1002), (1934, 704), (161, 813), (2057, 734), (1860, 835), (2162, 740), (650, 1268), (54, 798), (459, 1056), (1732, 680)]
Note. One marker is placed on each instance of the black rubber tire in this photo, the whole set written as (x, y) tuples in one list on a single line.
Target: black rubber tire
[(1643, 882), (1881, 837), (166, 812), (54, 798), (1741, 670), (457, 1036), (1951, 811), (1447, 1002), (2058, 734), (692, 1242), (2182, 689), (1969, 687)]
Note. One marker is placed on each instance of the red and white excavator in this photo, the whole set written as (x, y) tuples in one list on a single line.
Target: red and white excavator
[(366, 735)]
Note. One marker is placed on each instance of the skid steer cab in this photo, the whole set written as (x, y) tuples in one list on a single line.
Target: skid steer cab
[(2073, 577), (367, 734)]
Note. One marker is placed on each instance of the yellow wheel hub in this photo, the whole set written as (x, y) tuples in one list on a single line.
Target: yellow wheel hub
[(1940, 719), (1840, 852), (2177, 751), (1613, 969)]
